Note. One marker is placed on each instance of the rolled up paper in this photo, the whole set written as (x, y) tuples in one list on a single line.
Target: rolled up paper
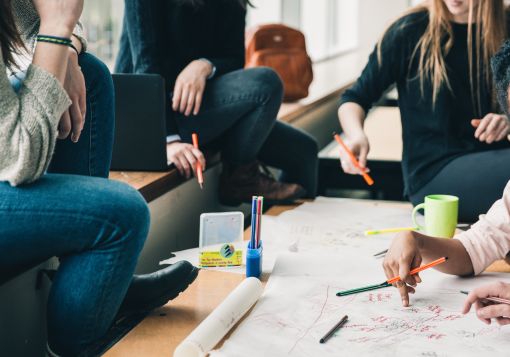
[(207, 335)]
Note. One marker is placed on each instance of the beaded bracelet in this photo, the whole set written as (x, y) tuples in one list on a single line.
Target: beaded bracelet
[(55, 40)]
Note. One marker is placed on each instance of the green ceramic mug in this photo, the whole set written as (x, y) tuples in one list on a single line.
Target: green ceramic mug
[(441, 212)]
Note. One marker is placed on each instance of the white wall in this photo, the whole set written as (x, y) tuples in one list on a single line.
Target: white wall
[(374, 17)]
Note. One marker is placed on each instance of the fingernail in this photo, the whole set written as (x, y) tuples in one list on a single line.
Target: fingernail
[(405, 302)]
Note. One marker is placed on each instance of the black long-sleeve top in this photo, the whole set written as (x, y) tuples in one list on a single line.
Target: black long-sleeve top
[(432, 135), (214, 30)]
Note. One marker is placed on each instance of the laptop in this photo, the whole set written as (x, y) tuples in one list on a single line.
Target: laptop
[(140, 123)]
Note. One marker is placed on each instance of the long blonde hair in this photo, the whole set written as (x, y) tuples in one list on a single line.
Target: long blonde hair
[(436, 42)]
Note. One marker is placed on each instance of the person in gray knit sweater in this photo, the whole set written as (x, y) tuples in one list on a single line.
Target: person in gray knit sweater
[(55, 198)]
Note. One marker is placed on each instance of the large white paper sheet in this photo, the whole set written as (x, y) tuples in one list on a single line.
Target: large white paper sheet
[(300, 305)]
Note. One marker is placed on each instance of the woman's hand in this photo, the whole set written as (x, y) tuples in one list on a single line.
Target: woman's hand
[(185, 157), (58, 17), (360, 147), (486, 310), (403, 256), (492, 128), (189, 87), (74, 84)]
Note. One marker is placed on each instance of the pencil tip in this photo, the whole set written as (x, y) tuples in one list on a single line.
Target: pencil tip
[(201, 186), (445, 258)]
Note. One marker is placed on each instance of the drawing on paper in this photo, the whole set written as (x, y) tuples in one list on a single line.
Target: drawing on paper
[(299, 306)]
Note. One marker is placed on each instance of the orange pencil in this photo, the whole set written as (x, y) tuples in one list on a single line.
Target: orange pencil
[(417, 270), (366, 176), (200, 175), (392, 280)]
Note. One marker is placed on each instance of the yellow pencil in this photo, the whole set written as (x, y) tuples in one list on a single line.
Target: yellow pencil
[(390, 230)]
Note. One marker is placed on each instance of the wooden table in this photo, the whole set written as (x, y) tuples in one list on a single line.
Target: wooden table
[(161, 332)]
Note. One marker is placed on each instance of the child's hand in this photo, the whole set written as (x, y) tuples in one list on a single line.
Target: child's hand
[(485, 310)]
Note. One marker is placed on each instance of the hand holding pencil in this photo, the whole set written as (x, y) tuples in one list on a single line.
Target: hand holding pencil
[(353, 159), (491, 302), (402, 256)]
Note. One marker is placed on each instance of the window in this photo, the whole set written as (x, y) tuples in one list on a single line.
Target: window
[(102, 20), (330, 26)]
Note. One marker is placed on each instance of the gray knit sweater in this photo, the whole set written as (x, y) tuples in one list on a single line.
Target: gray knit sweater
[(28, 124)]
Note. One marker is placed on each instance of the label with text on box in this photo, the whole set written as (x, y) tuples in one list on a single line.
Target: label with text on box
[(221, 239), (226, 256)]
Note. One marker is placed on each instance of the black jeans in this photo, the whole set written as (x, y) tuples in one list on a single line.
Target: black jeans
[(478, 179), (238, 116)]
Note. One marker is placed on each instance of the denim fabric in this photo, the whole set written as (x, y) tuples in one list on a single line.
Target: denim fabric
[(91, 155), (95, 226), (239, 109), (238, 116)]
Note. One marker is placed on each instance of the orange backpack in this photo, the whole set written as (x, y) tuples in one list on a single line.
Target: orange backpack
[(283, 49)]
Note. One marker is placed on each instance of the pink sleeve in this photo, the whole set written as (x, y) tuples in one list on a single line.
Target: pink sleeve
[(489, 239)]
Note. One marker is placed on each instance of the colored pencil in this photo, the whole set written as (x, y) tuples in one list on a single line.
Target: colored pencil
[(200, 174), (366, 176), (381, 253), (253, 221), (390, 230), (257, 232), (260, 207), (334, 329), (391, 281), (492, 298), (419, 269)]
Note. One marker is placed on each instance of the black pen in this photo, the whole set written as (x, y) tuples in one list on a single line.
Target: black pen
[(334, 329)]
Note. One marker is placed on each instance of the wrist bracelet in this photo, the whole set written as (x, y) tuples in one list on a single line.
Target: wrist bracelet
[(74, 48), (55, 40)]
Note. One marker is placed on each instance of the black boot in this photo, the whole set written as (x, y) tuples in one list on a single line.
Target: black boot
[(150, 291), (146, 293)]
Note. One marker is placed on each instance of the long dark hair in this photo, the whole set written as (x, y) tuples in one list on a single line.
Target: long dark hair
[(10, 40)]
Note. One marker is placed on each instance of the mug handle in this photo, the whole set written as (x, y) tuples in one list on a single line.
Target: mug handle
[(415, 210)]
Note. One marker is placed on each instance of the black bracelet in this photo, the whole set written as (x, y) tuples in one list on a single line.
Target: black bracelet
[(55, 40), (74, 48)]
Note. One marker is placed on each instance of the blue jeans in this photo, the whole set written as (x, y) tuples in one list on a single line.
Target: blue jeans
[(239, 109), (238, 117), (95, 226)]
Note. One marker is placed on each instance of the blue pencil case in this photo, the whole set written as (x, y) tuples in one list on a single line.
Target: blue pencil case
[(254, 261)]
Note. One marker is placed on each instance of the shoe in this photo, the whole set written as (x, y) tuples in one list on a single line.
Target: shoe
[(150, 291), (239, 184)]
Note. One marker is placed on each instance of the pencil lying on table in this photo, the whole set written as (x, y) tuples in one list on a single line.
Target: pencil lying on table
[(391, 281), (491, 298), (200, 174), (334, 329), (390, 230), (366, 176)]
